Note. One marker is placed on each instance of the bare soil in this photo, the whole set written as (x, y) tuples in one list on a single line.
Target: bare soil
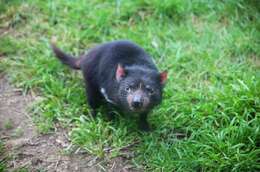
[(26, 148)]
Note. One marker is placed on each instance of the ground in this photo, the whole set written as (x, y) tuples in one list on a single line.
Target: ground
[(210, 114), (26, 149)]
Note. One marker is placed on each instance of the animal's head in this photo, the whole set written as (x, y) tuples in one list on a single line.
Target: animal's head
[(140, 89)]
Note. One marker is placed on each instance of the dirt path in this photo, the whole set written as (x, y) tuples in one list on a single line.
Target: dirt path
[(25, 148)]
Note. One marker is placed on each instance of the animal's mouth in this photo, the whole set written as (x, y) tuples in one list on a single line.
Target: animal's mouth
[(132, 109)]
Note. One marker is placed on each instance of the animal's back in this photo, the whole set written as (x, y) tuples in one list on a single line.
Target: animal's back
[(126, 53)]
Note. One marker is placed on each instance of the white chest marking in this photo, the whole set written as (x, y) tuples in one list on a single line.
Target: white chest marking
[(103, 91)]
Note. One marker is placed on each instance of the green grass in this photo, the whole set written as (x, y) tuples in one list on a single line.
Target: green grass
[(2, 160), (210, 48)]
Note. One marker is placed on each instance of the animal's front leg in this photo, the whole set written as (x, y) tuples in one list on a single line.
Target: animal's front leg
[(143, 123)]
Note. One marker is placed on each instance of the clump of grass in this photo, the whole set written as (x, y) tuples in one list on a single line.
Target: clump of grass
[(209, 118), (100, 137), (8, 124)]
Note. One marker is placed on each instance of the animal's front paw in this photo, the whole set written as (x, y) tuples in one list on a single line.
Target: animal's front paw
[(144, 126), (93, 113), (111, 115)]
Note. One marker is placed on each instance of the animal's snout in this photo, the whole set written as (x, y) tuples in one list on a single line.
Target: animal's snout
[(137, 102)]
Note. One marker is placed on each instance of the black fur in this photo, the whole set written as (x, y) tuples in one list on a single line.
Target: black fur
[(99, 67), (65, 58)]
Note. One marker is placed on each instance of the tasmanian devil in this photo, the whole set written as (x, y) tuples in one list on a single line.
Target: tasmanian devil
[(122, 74)]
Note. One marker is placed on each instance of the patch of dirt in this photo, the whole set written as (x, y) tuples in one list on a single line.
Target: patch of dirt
[(255, 61), (25, 148)]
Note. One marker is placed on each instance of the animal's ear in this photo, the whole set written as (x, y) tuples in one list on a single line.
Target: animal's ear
[(120, 72), (163, 77)]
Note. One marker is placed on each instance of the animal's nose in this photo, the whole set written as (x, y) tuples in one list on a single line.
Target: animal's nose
[(137, 102)]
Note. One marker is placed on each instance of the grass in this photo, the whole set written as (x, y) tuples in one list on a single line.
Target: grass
[(2, 160), (211, 50), (8, 124)]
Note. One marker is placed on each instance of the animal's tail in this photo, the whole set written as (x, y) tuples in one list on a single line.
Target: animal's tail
[(67, 59)]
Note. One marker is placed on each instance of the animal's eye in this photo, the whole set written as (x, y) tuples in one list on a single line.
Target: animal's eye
[(150, 90), (128, 88)]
